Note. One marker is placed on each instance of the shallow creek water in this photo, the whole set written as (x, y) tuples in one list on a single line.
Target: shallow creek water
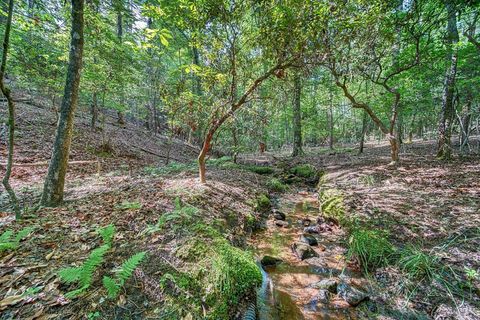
[(285, 292)]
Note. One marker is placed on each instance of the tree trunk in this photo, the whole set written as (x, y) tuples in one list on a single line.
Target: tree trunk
[(297, 117), (330, 123), (94, 110), (55, 180), (444, 149), (11, 115), (465, 122), (364, 131), (202, 156)]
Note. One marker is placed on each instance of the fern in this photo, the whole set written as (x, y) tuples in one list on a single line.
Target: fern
[(83, 274), (107, 233), (6, 236), (6, 241), (124, 272)]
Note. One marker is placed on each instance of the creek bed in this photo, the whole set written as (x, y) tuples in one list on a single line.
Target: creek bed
[(286, 291)]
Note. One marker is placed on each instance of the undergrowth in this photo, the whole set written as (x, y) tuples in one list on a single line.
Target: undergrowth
[(276, 185), (11, 241)]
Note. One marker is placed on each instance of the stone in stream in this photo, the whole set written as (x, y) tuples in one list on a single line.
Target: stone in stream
[(269, 261), (281, 223), (308, 238), (279, 215), (326, 284), (323, 296), (303, 250), (351, 294), (312, 229), (306, 222)]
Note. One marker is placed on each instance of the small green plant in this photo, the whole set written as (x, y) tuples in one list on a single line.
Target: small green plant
[(471, 274), (93, 315), (127, 205), (262, 203), (367, 180), (9, 241), (182, 214), (370, 247), (83, 275), (259, 169), (417, 264), (171, 168), (107, 233), (304, 170), (332, 205), (275, 184), (123, 273)]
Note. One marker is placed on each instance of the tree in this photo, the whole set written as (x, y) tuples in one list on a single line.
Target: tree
[(55, 180), (297, 116), (444, 148), (11, 113)]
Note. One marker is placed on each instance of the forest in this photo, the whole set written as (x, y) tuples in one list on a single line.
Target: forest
[(240, 159)]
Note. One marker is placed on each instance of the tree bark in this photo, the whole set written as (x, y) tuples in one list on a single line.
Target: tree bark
[(364, 131), (55, 179), (330, 124), (297, 117), (444, 148), (94, 110), (11, 114)]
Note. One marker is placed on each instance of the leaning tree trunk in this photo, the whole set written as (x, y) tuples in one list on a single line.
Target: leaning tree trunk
[(57, 169), (11, 114), (444, 149), (297, 117), (94, 110)]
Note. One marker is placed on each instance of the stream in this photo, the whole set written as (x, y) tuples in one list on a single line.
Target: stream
[(287, 290)]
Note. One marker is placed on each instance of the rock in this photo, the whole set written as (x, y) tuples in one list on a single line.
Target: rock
[(323, 296), (279, 215), (306, 222), (281, 223), (312, 229), (324, 227), (303, 250), (351, 295), (269, 261), (308, 238), (326, 284)]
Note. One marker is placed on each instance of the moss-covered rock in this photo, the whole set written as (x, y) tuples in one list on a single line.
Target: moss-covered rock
[(307, 172), (260, 169), (276, 185)]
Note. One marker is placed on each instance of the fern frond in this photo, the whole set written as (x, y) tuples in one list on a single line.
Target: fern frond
[(8, 246), (22, 234), (75, 293), (107, 233), (126, 269), (70, 275), (112, 287), (5, 237), (94, 260)]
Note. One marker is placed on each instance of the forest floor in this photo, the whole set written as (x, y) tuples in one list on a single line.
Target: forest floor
[(425, 203)]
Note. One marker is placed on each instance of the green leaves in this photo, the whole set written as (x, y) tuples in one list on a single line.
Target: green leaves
[(6, 241), (124, 272)]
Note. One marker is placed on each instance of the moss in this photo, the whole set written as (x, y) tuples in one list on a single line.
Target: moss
[(276, 185), (306, 171), (260, 169), (262, 203)]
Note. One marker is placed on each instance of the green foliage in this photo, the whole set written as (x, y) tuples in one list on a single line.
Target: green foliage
[(275, 184), (123, 273), (6, 241), (127, 205), (332, 205), (171, 168), (262, 203), (259, 169), (107, 233), (370, 247), (304, 171), (83, 275), (471, 274), (417, 264)]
